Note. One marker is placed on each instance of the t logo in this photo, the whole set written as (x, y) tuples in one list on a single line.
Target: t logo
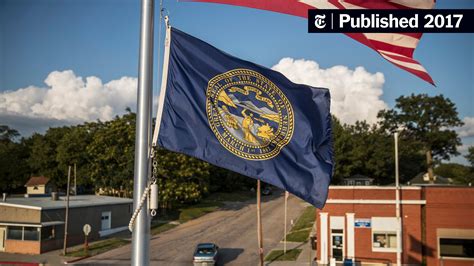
[(319, 21)]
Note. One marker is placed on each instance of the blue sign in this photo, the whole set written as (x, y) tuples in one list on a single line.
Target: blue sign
[(362, 223)]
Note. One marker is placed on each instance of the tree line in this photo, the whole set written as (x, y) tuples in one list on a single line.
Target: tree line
[(104, 154)]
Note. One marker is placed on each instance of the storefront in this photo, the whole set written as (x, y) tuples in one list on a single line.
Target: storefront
[(359, 223)]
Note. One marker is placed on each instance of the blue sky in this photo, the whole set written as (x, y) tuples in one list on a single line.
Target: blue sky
[(100, 38)]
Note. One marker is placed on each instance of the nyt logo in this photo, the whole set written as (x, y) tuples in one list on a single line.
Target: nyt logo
[(319, 21)]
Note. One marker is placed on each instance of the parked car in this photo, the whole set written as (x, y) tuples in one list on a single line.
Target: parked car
[(205, 254)]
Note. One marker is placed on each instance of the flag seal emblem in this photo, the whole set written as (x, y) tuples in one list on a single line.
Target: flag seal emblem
[(249, 115)]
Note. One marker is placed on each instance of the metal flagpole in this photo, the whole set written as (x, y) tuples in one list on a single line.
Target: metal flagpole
[(286, 207), (259, 224), (141, 232), (397, 206)]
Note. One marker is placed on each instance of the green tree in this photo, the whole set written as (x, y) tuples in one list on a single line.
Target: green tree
[(459, 173), (111, 154), (8, 134), (470, 155), (72, 150), (43, 159), (181, 178), (428, 121), (13, 168), (342, 143)]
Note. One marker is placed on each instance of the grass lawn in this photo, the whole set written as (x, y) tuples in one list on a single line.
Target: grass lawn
[(302, 228), (198, 210), (306, 219), (233, 196), (277, 255), (298, 236), (212, 203), (161, 227), (99, 247)]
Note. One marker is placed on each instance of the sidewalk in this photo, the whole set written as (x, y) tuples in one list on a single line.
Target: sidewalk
[(306, 255), (48, 258)]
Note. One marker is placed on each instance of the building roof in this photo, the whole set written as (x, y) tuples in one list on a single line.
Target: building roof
[(46, 203), (359, 177), (422, 179), (37, 181)]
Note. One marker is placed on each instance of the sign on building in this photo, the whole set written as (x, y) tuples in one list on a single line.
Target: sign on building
[(362, 223)]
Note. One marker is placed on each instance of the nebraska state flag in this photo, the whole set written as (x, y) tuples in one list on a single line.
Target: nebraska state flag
[(244, 117)]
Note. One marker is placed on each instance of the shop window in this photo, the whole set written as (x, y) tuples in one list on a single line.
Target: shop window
[(384, 240), (456, 247), (47, 233), (31, 233), (15, 232)]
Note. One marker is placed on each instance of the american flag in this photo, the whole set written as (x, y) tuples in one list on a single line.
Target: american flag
[(397, 48)]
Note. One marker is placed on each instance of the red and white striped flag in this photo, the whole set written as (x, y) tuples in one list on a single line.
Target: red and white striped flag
[(397, 48)]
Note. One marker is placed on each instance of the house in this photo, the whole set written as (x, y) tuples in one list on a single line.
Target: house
[(39, 185), (360, 223), (424, 179), (358, 180), (34, 225)]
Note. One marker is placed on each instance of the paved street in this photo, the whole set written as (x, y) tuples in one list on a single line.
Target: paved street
[(233, 229)]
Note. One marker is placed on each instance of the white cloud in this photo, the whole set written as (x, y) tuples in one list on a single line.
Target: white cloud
[(467, 130), (355, 94), (70, 99)]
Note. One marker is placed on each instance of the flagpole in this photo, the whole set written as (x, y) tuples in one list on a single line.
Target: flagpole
[(286, 207), (397, 204), (141, 232), (259, 223)]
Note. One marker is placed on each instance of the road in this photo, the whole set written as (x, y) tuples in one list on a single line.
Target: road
[(233, 229)]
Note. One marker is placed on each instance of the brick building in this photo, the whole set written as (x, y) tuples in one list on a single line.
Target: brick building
[(359, 222)]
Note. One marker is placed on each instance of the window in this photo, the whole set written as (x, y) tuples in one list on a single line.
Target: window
[(456, 247), (47, 233), (31, 233), (386, 240), (15, 233), (35, 188), (384, 234)]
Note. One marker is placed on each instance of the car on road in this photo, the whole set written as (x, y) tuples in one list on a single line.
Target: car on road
[(205, 254)]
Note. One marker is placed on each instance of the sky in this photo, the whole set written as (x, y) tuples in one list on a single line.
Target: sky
[(63, 62)]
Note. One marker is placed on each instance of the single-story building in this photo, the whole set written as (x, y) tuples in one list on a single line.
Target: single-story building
[(36, 225), (359, 223)]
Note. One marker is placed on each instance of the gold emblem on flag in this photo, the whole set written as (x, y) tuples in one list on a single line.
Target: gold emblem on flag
[(250, 116)]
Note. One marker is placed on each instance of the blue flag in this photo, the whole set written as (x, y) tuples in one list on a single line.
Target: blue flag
[(246, 118)]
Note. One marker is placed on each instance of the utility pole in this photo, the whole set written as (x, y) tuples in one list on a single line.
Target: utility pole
[(259, 223), (141, 231), (75, 181), (397, 204), (67, 211)]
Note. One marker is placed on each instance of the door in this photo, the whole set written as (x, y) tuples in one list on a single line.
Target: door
[(337, 244), (106, 220), (3, 236)]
